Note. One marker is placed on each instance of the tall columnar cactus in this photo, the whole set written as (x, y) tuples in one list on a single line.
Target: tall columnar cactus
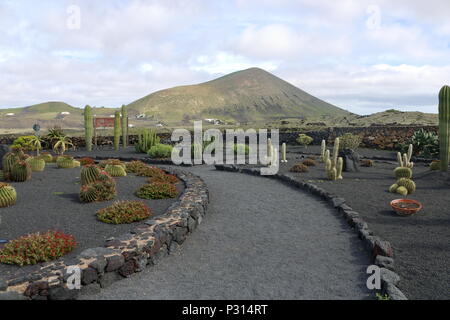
[(283, 152), (444, 127), (147, 139), (405, 159), (116, 130), (8, 195), (8, 161), (323, 148), (21, 171), (88, 127), (89, 174), (124, 126), (333, 166)]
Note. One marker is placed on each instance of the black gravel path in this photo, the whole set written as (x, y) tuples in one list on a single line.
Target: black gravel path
[(50, 201), (261, 240)]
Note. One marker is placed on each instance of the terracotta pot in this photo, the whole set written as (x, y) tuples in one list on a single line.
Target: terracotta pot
[(406, 207)]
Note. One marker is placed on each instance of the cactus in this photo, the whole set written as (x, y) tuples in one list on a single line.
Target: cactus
[(8, 161), (408, 184), (124, 126), (2, 176), (323, 148), (444, 127), (283, 152), (116, 130), (36, 163), (89, 174), (333, 166), (102, 189), (21, 171), (402, 190), (405, 159), (88, 193), (393, 188), (8, 195), (403, 172), (115, 170), (47, 157), (76, 164), (146, 139), (88, 127), (65, 162)]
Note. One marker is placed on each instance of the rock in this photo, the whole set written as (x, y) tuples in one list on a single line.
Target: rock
[(99, 264), (114, 263), (383, 248), (12, 295), (35, 287), (351, 160), (3, 285), (388, 276), (88, 276), (4, 149), (394, 293), (109, 278), (179, 235), (90, 289), (337, 202), (62, 293), (384, 262), (95, 252), (127, 269)]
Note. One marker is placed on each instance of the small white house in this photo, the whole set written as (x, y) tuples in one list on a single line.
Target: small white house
[(131, 126), (65, 113), (10, 114), (140, 116)]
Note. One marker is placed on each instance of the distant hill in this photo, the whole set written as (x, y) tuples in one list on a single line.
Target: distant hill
[(249, 95), (388, 117)]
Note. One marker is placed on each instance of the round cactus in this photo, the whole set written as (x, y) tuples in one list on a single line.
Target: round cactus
[(65, 162), (393, 188), (8, 195), (36, 163), (88, 193), (115, 170), (403, 172), (408, 184), (89, 174), (8, 162), (402, 190), (47, 157), (21, 171), (76, 164)]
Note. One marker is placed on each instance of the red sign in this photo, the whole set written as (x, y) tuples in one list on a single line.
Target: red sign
[(104, 122)]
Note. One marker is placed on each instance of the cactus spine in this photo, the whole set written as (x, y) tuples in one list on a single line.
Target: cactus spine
[(88, 127), (283, 152), (21, 171), (444, 127), (333, 166), (36, 163), (8, 195), (116, 130), (124, 126)]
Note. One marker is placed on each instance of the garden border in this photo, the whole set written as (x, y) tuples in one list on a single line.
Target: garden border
[(120, 257), (380, 250)]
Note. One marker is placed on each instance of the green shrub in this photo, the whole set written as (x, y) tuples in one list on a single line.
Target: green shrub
[(134, 166), (149, 171), (124, 212), (349, 141), (160, 151), (24, 143), (425, 144), (37, 247), (157, 190), (304, 139), (170, 178)]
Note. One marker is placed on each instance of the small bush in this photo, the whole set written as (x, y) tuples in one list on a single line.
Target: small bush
[(160, 151), (134, 166), (349, 141), (149, 171), (157, 190), (309, 162), (299, 167), (113, 162), (24, 143), (86, 161), (124, 212), (37, 247), (366, 163), (170, 178), (304, 139)]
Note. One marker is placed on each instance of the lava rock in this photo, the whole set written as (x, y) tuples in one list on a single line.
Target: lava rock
[(350, 160)]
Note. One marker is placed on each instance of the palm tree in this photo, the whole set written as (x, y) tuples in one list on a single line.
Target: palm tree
[(62, 144)]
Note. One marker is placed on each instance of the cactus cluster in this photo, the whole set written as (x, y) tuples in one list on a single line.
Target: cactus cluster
[(333, 166), (147, 138), (405, 159), (8, 195), (403, 186), (47, 157), (403, 172), (89, 174), (444, 127), (36, 163), (115, 170), (88, 127), (102, 189), (8, 161)]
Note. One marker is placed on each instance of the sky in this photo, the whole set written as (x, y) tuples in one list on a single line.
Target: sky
[(365, 56)]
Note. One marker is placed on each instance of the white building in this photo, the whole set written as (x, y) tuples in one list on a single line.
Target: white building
[(10, 114), (65, 113)]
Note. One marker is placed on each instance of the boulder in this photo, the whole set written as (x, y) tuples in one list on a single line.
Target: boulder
[(351, 160)]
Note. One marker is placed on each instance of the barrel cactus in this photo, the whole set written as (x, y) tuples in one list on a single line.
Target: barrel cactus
[(402, 190), (88, 193), (102, 189), (47, 157), (393, 188), (65, 162), (36, 163), (444, 127), (408, 184), (21, 171), (8, 161), (8, 195), (115, 170), (89, 174), (2, 177), (403, 172)]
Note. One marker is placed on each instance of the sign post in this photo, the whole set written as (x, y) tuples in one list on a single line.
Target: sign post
[(101, 123)]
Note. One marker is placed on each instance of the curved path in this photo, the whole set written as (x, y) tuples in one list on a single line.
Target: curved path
[(260, 239)]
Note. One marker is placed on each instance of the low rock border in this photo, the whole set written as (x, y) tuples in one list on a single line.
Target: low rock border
[(120, 257), (380, 250)]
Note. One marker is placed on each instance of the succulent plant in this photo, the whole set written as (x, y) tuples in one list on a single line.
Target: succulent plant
[(21, 171), (88, 193), (115, 170), (283, 152), (323, 148), (2, 177), (444, 126), (408, 184), (8, 195), (157, 190), (134, 166), (403, 172), (393, 188), (47, 157), (333, 167), (402, 190), (65, 162), (124, 212), (89, 174), (124, 126), (8, 161), (405, 159), (116, 130), (36, 163), (103, 189), (147, 138), (88, 127)]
